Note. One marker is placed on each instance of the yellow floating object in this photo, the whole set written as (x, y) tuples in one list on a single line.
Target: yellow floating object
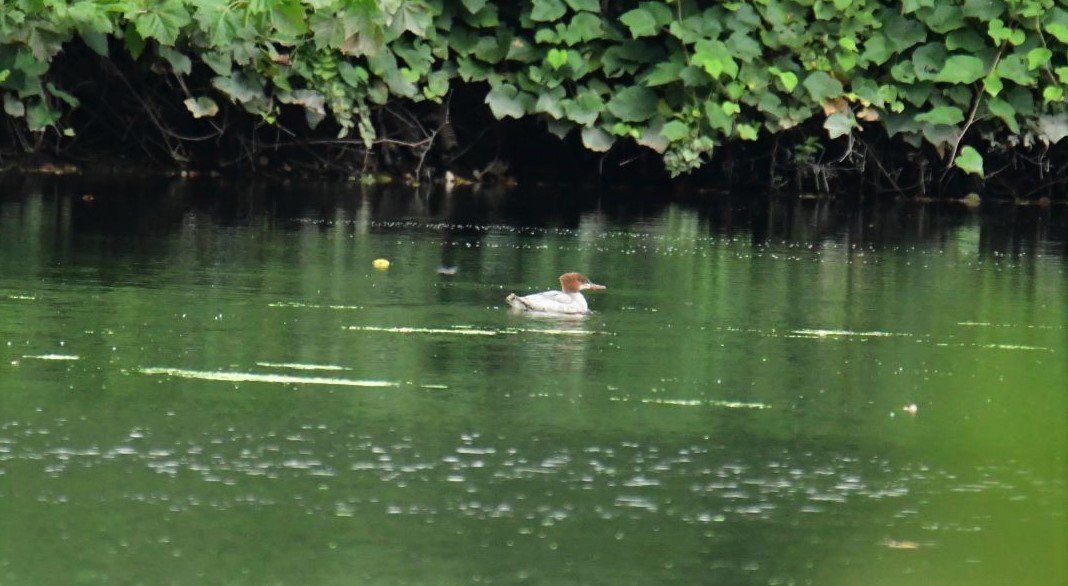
[(380, 264)]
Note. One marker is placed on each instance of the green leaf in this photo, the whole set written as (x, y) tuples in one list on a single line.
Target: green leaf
[(179, 63), (1038, 57), (717, 116), (1059, 31), (982, 9), (135, 45), (414, 17), (597, 140), (490, 50), (1014, 67), (903, 32), (744, 47), (39, 116), (993, 85), (1052, 93), (288, 19), (650, 136), (584, 108), (218, 22), (967, 39), (584, 27), (473, 6), (202, 107), (437, 85), (961, 69), (506, 100), (384, 65), (522, 50), (943, 18), (822, 87), (13, 106), (218, 62), (676, 130), (877, 49), (353, 75), (715, 58), (90, 16), (633, 104), (629, 56), (663, 73), (929, 61), (584, 5), (970, 161), (840, 124), (98, 42), (747, 132), (640, 22), (948, 115), (550, 101), (1005, 112), (556, 58), (163, 22), (559, 128), (547, 10), (416, 54), (472, 69), (788, 79), (238, 87)]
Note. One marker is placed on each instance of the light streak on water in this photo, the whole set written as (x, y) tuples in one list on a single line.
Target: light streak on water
[(407, 330), (312, 305), (465, 331), (696, 403), (300, 366), (263, 378), (844, 333)]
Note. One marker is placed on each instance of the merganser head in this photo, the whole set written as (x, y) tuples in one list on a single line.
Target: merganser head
[(574, 282)]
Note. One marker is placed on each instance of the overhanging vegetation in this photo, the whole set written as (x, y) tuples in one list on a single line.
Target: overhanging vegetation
[(972, 87)]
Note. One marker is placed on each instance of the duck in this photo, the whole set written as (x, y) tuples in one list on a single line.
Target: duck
[(567, 301)]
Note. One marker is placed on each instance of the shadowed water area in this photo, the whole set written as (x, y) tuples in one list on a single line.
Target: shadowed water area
[(207, 383)]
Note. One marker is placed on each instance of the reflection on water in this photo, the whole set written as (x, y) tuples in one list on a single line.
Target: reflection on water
[(197, 379)]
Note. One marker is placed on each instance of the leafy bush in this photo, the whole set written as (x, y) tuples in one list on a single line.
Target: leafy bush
[(677, 77)]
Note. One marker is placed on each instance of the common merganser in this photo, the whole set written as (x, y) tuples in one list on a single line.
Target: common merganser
[(567, 300)]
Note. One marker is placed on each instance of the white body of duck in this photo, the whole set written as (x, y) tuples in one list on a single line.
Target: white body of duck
[(568, 300)]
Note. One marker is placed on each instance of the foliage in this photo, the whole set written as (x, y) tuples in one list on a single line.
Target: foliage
[(674, 76)]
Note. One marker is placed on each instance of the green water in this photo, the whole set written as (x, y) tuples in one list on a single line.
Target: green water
[(204, 384)]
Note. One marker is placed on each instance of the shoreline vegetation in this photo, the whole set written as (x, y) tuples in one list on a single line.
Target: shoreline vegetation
[(918, 99)]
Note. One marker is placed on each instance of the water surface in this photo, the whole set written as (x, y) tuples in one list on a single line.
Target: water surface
[(209, 383)]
